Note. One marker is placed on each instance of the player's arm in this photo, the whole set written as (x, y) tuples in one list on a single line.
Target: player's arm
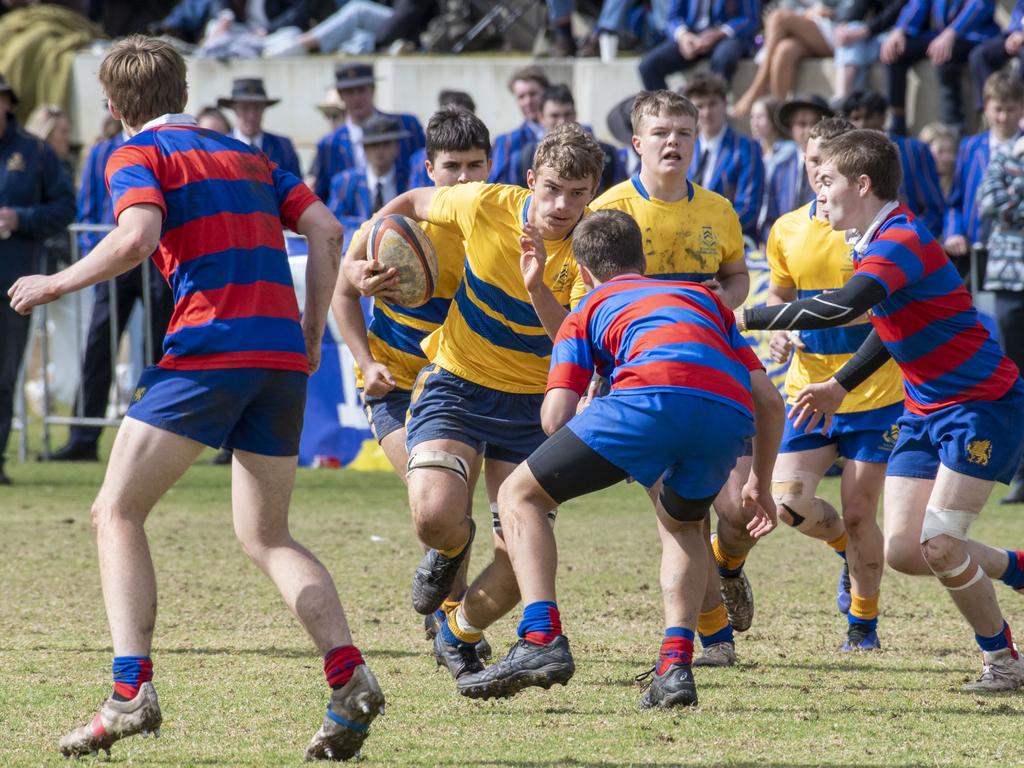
[(532, 258), (782, 342), (572, 368), (325, 236), (734, 282), (559, 406), (136, 236), (825, 310), (769, 416)]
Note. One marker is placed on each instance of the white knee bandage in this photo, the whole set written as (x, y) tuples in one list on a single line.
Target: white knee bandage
[(796, 492), (939, 521), (438, 460), (959, 570)]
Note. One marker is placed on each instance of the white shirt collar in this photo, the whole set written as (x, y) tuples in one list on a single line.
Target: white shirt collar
[(252, 141), (714, 143), (387, 179), (860, 243), (180, 118)]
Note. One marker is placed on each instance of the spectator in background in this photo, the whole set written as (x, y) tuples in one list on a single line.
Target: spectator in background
[(333, 109), (614, 21), (249, 101), (775, 149), (186, 21), (720, 30), (343, 148), (36, 201), (991, 55), (213, 119), (857, 36), (354, 28), (560, 21), (945, 33), (920, 190), (418, 176), (620, 126), (942, 142), (1003, 98), (240, 28), (527, 85), (724, 161)]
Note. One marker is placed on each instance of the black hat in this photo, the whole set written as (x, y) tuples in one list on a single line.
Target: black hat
[(803, 101), (5, 87), (353, 75), (619, 121), (380, 128), (248, 90)]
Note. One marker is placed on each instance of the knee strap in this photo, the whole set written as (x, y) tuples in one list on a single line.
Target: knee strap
[(797, 494), (939, 521), (439, 460), (960, 570)]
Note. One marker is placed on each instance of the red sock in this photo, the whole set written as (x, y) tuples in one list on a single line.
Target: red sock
[(340, 663), (676, 648)]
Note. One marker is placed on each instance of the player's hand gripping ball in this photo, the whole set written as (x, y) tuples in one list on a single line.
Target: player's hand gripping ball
[(398, 242)]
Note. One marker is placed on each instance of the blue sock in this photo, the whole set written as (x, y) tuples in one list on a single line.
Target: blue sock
[(541, 622), (997, 642), (870, 624), (723, 635), (1013, 576), (130, 672)]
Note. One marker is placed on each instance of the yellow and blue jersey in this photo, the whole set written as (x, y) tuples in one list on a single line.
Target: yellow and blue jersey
[(805, 253), (688, 239), (492, 335), (396, 333)]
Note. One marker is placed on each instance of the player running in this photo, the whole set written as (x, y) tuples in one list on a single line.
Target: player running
[(964, 397), (236, 361)]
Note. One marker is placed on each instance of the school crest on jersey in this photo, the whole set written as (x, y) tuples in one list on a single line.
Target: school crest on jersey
[(708, 241), (16, 162), (979, 452), (890, 436)]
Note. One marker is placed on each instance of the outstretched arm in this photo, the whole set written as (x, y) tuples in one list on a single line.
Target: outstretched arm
[(825, 310)]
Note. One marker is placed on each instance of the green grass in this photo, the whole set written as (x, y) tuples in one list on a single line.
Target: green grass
[(240, 685)]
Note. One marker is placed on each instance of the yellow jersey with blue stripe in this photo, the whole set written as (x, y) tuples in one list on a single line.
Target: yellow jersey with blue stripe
[(396, 333), (688, 239), (805, 253), (492, 335)]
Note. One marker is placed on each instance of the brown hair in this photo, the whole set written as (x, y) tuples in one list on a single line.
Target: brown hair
[(866, 152), (829, 128), (657, 103), (609, 243), (570, 152), (706, 84), (532, 72), (1002, 86), (143, 78)]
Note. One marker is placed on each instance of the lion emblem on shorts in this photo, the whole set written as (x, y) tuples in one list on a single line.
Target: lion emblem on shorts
[(890, 436), (137, 394), (979, 452)]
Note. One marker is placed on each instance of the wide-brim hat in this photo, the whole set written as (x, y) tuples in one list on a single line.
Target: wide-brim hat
[(247, 90), (802, 101), (380, 129), (5, 87), (331, 102), (619, 120), (353, 75)]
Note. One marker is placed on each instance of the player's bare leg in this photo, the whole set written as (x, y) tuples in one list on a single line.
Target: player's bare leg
[(860, 490)]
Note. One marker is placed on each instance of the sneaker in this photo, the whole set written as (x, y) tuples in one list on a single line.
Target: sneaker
[(999, 672), (717, 655), (432, 625), (527, 664), (434, 576), (116, 720), (843, 598), (76, 452), (459, 658), (860, 638), (347, 724), (739, 601), (674, 688)]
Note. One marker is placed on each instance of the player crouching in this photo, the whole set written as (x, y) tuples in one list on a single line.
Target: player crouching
[(677, 366)]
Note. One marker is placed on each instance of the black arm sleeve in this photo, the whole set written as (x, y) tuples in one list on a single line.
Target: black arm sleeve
[(871, 356), (826, 310)]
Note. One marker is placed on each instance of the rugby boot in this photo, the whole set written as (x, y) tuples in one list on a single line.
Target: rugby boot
[(459, 658), (843, 598), (347, 723), (1000, 672), (116, 720), (739, 601), (717, 655), (861, 638), (674, 688), (527, 664), (435, 574), (432, 625)]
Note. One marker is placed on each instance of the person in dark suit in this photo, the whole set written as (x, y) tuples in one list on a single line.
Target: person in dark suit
[(248, 100)]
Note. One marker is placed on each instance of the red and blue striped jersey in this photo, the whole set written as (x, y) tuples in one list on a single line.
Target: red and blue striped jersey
[(648, 335), (221, 246), (927, 320)]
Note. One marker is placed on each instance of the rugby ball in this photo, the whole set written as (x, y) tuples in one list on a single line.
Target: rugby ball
[(398, 242)]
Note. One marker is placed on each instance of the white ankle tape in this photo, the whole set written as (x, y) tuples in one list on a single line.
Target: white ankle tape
[(463, 623)]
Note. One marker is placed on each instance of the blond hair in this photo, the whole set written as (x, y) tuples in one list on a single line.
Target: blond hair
[(934, 131), (570, 152), (144, 78), (658, 103)]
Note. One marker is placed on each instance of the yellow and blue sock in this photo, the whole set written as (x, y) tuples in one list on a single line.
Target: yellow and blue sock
[(676, 648), (729, 566), (1013, 576), (997, 642), (456, 629), (839, 544), (864, 611), (130, 672), (713, 627), (541, 623)]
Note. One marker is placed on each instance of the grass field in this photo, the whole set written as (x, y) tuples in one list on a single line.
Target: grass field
[(241, 686)]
